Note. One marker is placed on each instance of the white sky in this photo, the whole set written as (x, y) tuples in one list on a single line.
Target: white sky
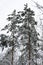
[(7, 7)]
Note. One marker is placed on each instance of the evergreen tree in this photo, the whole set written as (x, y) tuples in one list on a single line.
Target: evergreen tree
[(12, 27), (23, 23), (28, 29)]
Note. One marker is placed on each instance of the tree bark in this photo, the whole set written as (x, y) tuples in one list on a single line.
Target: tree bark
[(12, 55), (12, 47), (29, 50)]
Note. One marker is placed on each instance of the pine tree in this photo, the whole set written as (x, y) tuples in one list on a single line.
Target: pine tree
[(27, 29), (12, 27)]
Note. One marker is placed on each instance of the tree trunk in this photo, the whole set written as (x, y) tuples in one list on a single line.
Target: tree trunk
[(29, 57), (12, 55), (29, 50), (12, 47)]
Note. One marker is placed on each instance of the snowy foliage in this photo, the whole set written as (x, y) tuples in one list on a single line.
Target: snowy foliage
[(23, 40)]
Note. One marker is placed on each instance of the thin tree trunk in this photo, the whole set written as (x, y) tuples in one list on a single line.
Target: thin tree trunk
[(29, 50), (12, 47), (12, 55), (29, 57)]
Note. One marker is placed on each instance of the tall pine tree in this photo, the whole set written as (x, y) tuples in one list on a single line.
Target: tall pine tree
[(23, 23)]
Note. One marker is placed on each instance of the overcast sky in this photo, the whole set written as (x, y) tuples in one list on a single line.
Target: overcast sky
[(7, 7)]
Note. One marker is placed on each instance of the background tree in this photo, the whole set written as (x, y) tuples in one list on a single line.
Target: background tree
[(12, 27), (40, 9)]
